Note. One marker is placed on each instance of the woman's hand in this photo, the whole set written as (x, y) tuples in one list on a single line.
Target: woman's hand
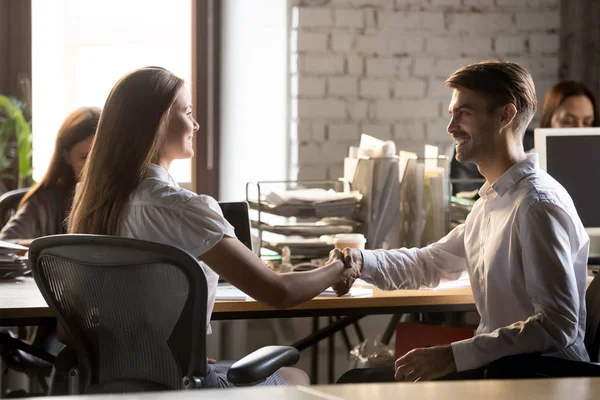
[(349, 274)]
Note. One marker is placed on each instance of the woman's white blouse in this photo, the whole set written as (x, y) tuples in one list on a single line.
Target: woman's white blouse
[(161, 211)]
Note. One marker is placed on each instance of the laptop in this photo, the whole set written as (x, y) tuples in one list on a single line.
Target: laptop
[(236, 213)]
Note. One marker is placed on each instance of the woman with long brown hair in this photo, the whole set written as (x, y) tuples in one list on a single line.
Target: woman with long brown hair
[(126, 190), (44, 209), (569, 104)]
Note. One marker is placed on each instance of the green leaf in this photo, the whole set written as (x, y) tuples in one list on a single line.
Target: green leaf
[(16, 126)]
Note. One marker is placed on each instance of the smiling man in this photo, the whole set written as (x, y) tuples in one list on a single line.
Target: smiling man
[(523, 244)]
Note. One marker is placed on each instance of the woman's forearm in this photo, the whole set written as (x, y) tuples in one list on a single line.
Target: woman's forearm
[(303, 286), (238, 265)]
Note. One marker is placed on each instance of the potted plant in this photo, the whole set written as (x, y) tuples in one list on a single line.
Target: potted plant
[(15, 144)]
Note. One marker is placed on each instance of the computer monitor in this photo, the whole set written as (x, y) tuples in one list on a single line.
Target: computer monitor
[(236, 213), (572, 157)]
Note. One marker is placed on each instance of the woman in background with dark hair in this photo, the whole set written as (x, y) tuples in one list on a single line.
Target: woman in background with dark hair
[(43, 210), (569, 104)]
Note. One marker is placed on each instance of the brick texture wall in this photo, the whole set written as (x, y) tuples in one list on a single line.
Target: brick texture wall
[(378, 67)]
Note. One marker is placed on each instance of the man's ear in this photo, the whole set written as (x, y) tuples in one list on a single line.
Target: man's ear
[(509, 112)]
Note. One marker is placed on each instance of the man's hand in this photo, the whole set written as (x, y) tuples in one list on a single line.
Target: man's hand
[(352, 259), (425, 364)]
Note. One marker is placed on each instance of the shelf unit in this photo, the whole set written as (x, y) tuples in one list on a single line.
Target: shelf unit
[(305, 221)]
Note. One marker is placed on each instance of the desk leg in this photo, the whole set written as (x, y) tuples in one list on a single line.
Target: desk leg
[(359, 332), (391, 328), (319, 334), (331, 355), (345, 337), (314, 354)]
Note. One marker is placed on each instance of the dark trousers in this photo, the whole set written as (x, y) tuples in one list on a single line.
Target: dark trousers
[(524, 366)]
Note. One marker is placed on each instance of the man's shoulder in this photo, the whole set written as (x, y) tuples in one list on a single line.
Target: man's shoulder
[(540, 189)]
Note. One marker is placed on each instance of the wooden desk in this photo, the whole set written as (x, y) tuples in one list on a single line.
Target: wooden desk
[(382, 302), (547, 389), (251, 393), (21, 303)]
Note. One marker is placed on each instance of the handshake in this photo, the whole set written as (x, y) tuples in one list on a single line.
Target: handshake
[(353, 263)]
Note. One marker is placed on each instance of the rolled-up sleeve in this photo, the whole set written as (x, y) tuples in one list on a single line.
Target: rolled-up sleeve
[(412, 268)]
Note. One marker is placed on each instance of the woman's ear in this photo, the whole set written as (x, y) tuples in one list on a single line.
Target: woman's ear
[(509, 112)]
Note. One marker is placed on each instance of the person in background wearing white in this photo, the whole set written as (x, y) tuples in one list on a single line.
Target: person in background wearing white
[(523, 245)]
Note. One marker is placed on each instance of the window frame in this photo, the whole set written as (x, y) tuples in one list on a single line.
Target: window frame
[(16, 47)]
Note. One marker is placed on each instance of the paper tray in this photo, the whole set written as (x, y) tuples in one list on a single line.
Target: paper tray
[(323, 210)]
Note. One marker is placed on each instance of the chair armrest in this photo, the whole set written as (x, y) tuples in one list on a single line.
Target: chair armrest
[(257, 366)]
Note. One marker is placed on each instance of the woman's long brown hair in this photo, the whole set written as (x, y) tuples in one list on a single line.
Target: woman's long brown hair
[(128, 139), (78, 126), (558, 94)]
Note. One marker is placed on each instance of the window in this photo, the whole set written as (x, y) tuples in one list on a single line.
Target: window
[(80, 48)]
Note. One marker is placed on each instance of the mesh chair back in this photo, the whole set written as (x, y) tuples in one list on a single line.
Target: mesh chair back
[(9, 203), (592, 323), (135, 310)]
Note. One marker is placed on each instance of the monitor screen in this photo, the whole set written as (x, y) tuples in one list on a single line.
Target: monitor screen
[(236, 213), (572, 157)]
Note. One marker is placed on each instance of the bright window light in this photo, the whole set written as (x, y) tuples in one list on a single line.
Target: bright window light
[(82, 47)]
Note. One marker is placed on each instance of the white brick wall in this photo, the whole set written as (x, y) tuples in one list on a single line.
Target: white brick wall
[(343, 86), (375, 89), (379, 66)]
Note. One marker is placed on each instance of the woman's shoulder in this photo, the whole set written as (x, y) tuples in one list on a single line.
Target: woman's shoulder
[(49, 196), (170, 196)]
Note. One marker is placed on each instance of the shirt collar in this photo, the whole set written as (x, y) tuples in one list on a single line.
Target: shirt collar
[(157, 172), (514, 174)]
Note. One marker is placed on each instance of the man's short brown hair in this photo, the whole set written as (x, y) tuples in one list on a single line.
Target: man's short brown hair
[(502, 82)]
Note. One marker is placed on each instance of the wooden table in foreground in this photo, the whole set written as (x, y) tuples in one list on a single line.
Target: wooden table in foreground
[(21, 303), (547, 389)]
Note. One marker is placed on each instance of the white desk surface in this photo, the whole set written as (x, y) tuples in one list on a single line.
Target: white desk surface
[(258, 393), (548, 389)]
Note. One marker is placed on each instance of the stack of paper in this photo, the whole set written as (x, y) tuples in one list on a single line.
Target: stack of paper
[(355, 291), (229, 292), (314, 203), (11, 264), (312, 196), (462, 282)]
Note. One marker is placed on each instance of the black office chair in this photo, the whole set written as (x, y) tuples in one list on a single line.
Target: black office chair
[(516, 367), (17, 356), (9, 203), (136, 312)]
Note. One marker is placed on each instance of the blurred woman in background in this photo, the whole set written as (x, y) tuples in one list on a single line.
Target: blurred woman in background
[(44, 209), (569, 104)]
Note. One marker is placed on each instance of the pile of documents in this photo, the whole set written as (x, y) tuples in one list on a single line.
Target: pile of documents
[(423, 198), (319, 203), (12, 265)]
